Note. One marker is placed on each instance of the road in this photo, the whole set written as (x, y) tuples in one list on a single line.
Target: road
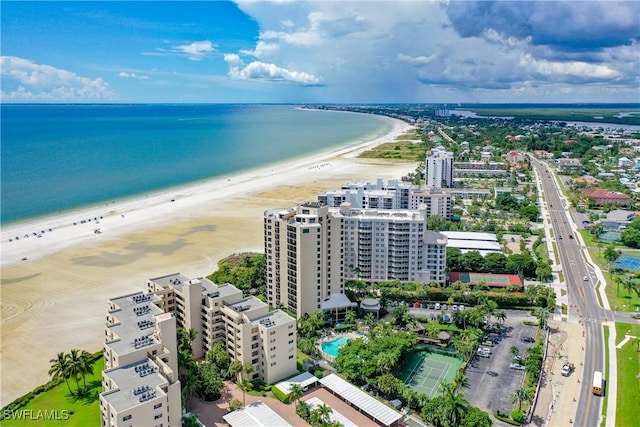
[(583, 302)]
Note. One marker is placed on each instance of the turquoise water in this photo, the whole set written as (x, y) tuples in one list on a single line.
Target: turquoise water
[(332, 348), (61, 157)]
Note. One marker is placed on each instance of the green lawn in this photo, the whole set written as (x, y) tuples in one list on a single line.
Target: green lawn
[(619, 299), (628, 394), (82, 411)]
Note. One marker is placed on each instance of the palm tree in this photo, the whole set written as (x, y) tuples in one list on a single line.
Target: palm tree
[(454, 406), (245, 386), (618, 280), (86, 366), (60, 368), (521, 395), (295, 393), (386, 361), (350, 317), (542, 314), (235, 368), (501, 316), (321, 414), (628, 285), (461, 381), (189, 383), (76, 366), (610, 255), (369, 320)]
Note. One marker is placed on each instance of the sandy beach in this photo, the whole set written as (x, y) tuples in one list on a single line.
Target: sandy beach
[(57, 280)]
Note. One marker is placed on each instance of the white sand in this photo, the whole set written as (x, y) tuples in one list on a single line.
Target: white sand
[(56, 299)]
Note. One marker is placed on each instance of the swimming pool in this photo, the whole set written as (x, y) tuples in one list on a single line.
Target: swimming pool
[(333, 347)]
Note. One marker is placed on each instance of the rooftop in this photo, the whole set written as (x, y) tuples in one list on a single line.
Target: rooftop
[(257, 414), (137, 383), (358, 398)]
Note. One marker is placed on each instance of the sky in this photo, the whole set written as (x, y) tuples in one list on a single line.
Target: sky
[(320, 51)]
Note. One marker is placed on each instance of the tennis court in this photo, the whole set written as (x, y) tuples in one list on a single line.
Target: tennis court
[(628, 262), (610, 236), (425, 371), (494, 280)]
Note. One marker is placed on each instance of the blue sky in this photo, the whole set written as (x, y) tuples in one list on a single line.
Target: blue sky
[(320, 51)]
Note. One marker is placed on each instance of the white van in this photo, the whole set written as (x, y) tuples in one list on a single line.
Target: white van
[(437, 306)]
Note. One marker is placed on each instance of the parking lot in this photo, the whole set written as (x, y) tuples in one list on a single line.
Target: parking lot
[(491, 380)]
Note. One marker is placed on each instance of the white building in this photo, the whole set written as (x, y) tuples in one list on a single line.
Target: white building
[(310, 249), (140, 380), (438, 172), (468, 241), (303, 248), (390, 195), (384, 245)]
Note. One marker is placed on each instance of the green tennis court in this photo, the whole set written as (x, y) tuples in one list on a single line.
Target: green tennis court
[(425, 371)]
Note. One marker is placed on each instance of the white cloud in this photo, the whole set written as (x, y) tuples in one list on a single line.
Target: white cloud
[(262, 49), (414, 51), (572, 68), (416, 60), (194, 51), (26, 80), (126, 75), (197, 50), (257, 70)]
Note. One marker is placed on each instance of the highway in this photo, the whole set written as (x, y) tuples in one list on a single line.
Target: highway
[(581, 282)]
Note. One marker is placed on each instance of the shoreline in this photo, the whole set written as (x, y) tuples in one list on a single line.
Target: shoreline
[(34, 235), (55, 300)]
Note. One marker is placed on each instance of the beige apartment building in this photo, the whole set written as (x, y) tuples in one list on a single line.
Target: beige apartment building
[(252, 333), (382, 244), (140, 380), (392, 194), (303, 248), (311, 248)]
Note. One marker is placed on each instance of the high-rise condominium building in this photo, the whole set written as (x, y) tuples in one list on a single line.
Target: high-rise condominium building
[(310, 249), (303, 248), (438, 171), (140, 380), (393, 194), (384, 245)]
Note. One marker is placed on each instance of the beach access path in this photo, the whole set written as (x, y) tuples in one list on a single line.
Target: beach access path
[(56, 298)]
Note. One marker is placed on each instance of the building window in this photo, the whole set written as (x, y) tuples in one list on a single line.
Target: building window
[(306, 230), (126, 418), (159, 405), (158, 416)]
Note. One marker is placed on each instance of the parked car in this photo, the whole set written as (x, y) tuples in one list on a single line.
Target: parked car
[(437, 307), (454, 307), (516, 366), (527, 338), (444, 306), (432, 305)]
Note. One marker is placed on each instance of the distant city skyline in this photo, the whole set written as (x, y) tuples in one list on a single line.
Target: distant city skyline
[(321, 52)]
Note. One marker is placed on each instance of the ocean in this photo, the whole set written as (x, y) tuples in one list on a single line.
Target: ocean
[(62, 157)]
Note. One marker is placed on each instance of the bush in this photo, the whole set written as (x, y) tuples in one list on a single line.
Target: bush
[(505, 417), (517, 415), (279, 394)]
